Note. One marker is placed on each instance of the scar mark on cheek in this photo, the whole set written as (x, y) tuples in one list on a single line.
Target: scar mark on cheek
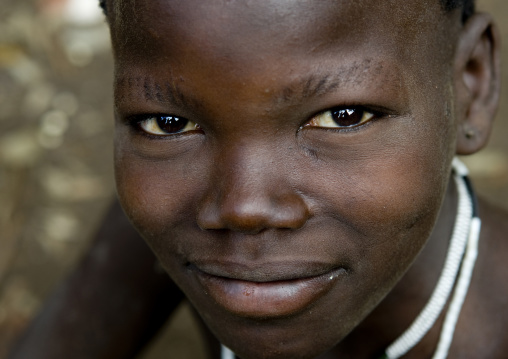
[(312, 153)]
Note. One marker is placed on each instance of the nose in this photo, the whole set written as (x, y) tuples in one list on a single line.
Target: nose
[(251, 192)]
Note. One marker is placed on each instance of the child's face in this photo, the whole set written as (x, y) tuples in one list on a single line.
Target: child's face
[(284, 229)]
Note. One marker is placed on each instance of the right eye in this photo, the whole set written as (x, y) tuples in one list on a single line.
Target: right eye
[(167, 125)]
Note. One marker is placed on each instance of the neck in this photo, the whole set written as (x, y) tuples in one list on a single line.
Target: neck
[(403, 304)]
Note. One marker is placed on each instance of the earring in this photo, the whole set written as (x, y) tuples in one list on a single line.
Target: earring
[(469, 133)]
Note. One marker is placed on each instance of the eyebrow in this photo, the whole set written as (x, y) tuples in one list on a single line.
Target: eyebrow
[(315, 85), (146, 87), (312, 85)]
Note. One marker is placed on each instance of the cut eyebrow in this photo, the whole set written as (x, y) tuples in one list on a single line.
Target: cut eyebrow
[(146, 87), (134, 88), (317, 85)]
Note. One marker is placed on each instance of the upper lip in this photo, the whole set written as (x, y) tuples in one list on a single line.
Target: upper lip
[(265, 271)]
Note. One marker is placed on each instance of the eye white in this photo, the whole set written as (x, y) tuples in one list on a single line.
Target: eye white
[(153, 126), (326, 119)]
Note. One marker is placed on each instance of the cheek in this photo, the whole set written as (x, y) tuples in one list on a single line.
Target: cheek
[(387, 190), (401, 192), (404, 203), (157, 196)]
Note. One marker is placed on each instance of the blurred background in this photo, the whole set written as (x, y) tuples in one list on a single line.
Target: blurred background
[(56, 177)]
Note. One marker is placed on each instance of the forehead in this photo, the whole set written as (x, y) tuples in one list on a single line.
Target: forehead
[(223, 25), (269, 41)]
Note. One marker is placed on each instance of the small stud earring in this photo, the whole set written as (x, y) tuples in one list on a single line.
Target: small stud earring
[(470, 134)]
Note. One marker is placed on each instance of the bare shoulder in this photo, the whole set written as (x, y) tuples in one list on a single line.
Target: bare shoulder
[(482, 331), (492, 263)]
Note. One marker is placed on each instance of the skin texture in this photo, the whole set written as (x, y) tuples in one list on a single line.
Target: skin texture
[(259, 193)]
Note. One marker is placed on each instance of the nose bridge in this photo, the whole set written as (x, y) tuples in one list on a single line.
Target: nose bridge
[(251, 190)]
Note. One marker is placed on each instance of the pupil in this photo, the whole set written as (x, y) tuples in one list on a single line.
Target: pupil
[(347, 117), (171, 124)]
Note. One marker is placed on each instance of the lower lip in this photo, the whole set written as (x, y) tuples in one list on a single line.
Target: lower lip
[(267, 299)]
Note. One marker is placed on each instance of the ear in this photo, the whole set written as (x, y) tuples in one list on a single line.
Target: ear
[(477, 82)]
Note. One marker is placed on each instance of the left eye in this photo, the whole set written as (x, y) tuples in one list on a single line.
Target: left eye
[(167, 125), (341, 118)]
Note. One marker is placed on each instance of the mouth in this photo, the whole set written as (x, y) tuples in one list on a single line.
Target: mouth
[(262, 293)]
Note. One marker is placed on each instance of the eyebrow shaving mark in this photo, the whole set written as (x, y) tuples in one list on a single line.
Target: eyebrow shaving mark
[(158, 93), (134, 88), (174, 95), (170, 92), (153, 91), (127, 88), (315, 85), (149, 93)]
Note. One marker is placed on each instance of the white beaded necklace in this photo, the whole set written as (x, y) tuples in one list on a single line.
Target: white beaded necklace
[(463, 249)]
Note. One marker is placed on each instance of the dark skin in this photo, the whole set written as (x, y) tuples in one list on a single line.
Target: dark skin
[(243, 199), (260, 187), (117, 298)]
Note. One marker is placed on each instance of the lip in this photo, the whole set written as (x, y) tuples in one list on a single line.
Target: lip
[(262, 293)]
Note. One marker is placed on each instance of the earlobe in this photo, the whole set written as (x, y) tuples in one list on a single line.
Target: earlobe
[(477, 82)]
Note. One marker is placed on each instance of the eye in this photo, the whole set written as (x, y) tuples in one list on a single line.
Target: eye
[(341, 118), (167, 125)]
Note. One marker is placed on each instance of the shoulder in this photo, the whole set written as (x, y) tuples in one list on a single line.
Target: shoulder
[(492, 263), (482, 331)]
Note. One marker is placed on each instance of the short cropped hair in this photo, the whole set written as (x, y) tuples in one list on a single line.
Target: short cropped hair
[(468, 7)]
